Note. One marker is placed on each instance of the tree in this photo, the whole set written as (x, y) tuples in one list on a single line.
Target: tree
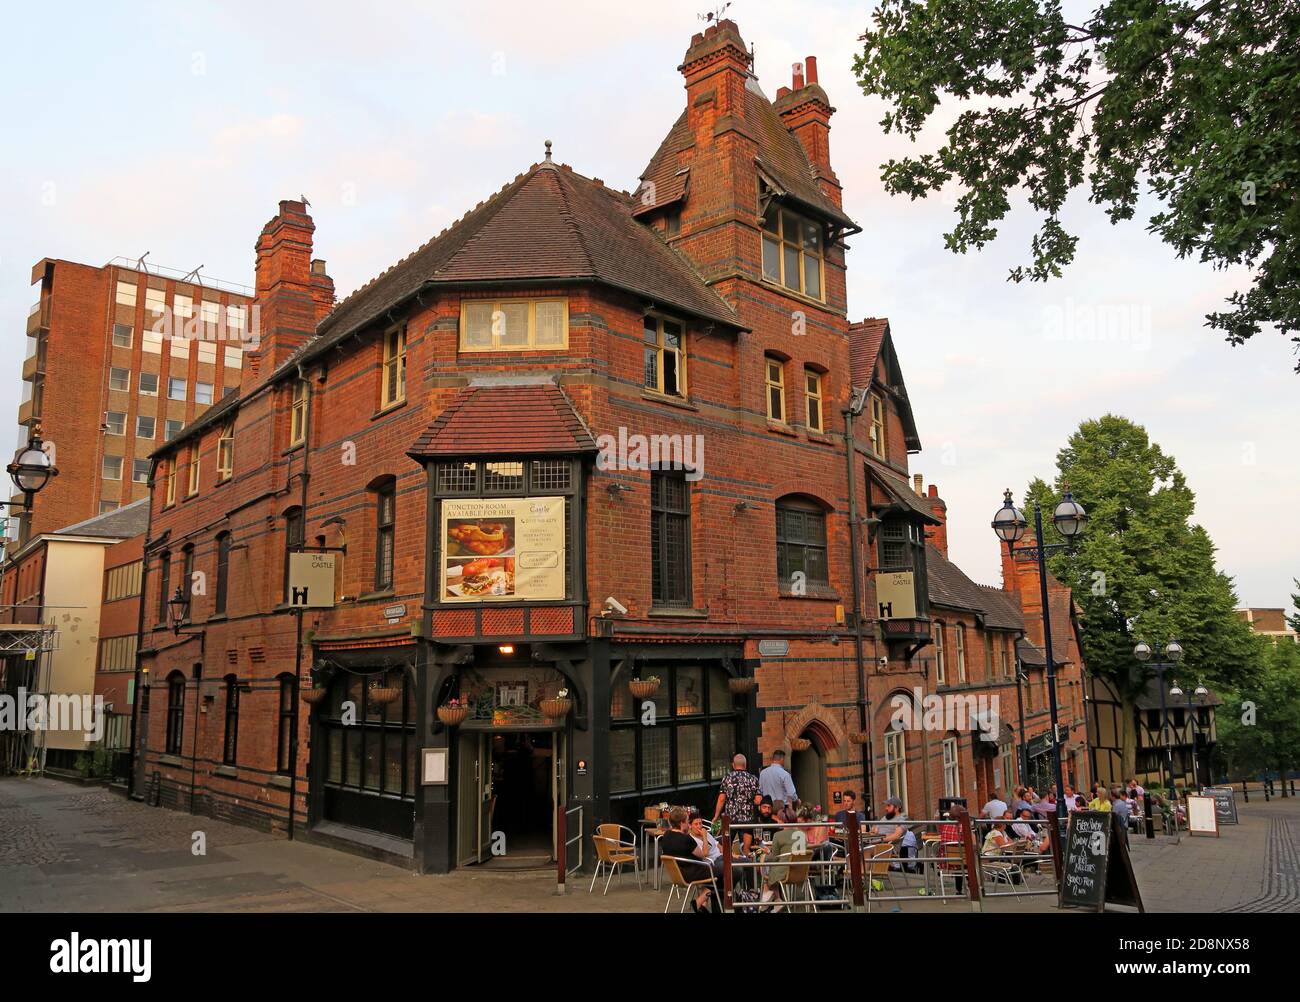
[(1259, 725), (1141, 570), (1197, 99)]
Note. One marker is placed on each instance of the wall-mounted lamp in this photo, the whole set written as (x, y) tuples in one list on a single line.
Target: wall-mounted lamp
[(616, 489), (743, 506)]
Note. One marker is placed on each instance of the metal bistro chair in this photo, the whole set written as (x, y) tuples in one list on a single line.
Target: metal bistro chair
[(1003, 870), (676, 881), (612, 852)]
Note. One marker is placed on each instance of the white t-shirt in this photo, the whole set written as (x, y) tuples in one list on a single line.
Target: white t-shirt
[(994, 809)]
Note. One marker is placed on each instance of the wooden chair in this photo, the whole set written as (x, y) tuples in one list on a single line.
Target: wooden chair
[(878, 859), (797, 876), (953, 867), (613, 853), (676, 881)]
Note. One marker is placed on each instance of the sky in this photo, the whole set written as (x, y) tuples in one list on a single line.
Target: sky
[(175, 128)]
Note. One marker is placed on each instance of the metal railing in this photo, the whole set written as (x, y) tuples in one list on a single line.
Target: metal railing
[(1013, 864)]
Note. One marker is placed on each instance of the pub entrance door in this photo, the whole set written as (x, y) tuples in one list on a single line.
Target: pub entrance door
[(509, 783)]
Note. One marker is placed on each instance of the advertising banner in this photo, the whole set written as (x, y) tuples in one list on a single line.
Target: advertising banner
[(503, 549)]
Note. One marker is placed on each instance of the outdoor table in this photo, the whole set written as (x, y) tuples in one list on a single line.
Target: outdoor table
[(648, 836)]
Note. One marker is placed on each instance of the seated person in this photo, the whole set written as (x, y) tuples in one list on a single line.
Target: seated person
[(1038, 840), (677, 841), (766, 819), (783, 847), (705, 837), (897, 832)]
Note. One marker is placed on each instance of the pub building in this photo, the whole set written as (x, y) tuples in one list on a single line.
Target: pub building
[(400, 583)]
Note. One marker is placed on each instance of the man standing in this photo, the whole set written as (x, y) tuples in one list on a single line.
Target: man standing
[(736, 798), (776, 783)]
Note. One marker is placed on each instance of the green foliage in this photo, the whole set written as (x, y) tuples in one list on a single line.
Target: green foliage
[(1259, 725), (1141, 570), (1195, 99)]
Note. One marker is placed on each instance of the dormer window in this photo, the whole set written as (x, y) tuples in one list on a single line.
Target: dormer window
[(793, 250)]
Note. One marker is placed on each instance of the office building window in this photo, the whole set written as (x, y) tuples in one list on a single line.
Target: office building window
[(175, 388), (145, 425), (148, 384), (119, 379), (112, 468)]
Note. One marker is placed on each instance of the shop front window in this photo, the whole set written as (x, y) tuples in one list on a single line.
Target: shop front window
[(695, 732), (374, 753)]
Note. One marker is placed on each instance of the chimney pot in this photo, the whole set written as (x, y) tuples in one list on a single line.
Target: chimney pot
[(810, 66), (934, 491), (798, 75), (917, 481), (782, 92), (318, 266)]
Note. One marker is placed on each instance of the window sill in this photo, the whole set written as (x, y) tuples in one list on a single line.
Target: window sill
[(373, 595), (229, 771), (280, 781), (816, 592), (170, 760), (221, 482), (678, 612), (220, 617), (387, 409), (671, 401), (818, 436), (781, 428), (794, 294), (293, 448)]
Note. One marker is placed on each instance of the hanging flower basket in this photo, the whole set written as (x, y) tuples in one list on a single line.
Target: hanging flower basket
[(452, 716), (557, 707), (313, 696), (644, 688), (800, 744), (742, 686), (859, 737), (383, 695)]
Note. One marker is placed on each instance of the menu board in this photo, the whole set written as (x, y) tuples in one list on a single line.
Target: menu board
[(504, 548), (1096, 869), (1225, 803), (1202, 819)]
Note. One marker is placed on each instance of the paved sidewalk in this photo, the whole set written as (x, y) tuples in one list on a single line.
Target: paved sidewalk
[(65, 847)]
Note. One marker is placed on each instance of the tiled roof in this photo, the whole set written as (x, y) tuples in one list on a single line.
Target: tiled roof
[(207, 419), (781, 157), (951, 588), (865, 338), (125, 522), (549, 224), (900, 493), (505, 419)]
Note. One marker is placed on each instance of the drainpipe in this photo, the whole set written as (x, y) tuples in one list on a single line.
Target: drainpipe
[(139, 635), (297, 663), (856, 402)]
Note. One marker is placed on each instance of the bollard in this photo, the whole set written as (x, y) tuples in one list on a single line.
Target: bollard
[(1245, 791), (972, 860)]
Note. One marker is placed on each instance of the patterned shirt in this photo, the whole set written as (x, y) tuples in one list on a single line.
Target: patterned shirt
[(739, 788)]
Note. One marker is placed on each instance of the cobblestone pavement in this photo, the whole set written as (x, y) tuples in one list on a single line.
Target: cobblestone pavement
[(85, 849)]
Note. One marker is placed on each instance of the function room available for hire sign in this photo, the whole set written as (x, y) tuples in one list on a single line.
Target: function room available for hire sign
[(504, 548)]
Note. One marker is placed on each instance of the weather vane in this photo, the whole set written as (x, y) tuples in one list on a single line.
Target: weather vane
[(715, 15)]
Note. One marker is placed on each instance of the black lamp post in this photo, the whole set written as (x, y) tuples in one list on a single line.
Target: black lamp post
[(1173, 653), (1010, 525)]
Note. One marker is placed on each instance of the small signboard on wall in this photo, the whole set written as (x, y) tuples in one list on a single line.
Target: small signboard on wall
[(896, 594)]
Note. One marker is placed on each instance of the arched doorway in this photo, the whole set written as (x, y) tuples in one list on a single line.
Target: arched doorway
[(808, 766)]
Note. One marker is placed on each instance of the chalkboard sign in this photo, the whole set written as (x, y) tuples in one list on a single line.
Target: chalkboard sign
[(1225, 803), (1096, 869)]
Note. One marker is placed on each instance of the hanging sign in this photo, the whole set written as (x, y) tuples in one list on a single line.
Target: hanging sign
[(896, 594), (311, 580)]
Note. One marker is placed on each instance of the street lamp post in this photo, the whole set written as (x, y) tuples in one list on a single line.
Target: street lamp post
[(1173, 653), (1010, 525)]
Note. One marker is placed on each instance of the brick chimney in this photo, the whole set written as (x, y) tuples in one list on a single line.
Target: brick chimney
[(936, 534), (806, 111), (716, 67), (292, 293)]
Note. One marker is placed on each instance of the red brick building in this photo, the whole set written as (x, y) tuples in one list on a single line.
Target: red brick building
[(118, 359), (581, 437)]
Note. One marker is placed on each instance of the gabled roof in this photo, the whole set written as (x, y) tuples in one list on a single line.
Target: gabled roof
[(505, 418), (781, 160), (870, 340), (125, 522), (550, 224)]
